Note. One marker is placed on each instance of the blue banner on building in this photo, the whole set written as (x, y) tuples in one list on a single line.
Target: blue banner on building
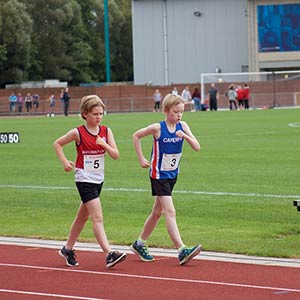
[(278, 27)]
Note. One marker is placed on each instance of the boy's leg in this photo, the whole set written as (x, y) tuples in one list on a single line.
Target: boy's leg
[(152, 220), (77, 226), (185, 254), (139, 246), (170, 215), (95, 211), (67, 251)]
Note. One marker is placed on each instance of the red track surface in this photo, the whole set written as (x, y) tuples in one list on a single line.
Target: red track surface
[(28, 273)]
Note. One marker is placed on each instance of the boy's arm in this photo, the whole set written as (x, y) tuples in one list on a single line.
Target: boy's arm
[(188, 136), (153, 129), (58, 145), (111, 146)]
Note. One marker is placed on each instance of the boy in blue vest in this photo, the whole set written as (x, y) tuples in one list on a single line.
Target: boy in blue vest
[(168, 137)]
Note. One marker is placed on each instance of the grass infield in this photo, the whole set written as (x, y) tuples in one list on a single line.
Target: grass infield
[(235, 195)]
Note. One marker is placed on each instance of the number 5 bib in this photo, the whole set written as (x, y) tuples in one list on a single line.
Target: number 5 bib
[(94, 163)]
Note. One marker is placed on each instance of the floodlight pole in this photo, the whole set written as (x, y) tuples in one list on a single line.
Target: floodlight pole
[(106, 37)]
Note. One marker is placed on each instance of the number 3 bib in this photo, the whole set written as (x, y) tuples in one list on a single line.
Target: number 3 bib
[(170, 162)]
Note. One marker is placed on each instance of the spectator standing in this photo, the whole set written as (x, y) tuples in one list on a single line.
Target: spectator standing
[(196, 97), (61, 97), (66, 97), (240, 96), (12, 102), (174, 91), (213, 96), (231, 94), (28, 102), (157, 99), (186, 96), (36, 101), (246, 96), (20, 100), (51, 101)]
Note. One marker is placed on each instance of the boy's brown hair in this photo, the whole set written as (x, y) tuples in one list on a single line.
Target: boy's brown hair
[(87, 104), (171, 100)]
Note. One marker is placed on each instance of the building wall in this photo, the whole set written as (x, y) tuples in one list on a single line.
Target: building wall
[(269, 60), (173, 45)]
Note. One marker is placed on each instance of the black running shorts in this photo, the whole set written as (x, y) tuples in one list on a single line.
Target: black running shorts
[(162, 187), (88, 191)]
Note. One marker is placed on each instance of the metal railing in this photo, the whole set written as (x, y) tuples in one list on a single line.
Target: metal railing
[(146, 104)]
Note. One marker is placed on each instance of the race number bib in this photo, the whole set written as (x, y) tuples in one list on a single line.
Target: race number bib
[(170, 162), (94, 163)]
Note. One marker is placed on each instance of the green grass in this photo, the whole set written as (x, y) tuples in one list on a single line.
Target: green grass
[(235, 195)]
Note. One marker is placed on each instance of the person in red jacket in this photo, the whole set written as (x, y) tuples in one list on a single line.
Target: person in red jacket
[(240, 96), (246, 96)]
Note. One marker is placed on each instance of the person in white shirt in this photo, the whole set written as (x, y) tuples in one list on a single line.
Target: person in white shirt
[(174, 91), (157, 97), (186, 96)]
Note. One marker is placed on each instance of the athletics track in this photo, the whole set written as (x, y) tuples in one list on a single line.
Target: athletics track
[(32, 270)]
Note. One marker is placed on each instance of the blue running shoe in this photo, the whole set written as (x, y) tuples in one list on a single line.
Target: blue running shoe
[(142, 252), (187, 254)]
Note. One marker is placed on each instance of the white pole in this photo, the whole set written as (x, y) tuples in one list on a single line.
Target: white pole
[(202, 89)]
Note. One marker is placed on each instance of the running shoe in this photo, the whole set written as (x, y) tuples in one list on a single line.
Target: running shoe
[(187, 254), (114, 257), (69, 256), (142, 252)]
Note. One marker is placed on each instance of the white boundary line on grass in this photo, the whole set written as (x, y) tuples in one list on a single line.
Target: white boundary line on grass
[(296, 124), (145, 190), (159, 278)]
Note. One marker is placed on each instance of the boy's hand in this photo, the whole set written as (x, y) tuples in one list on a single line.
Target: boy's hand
[(144, 163), (180, 134), (68, 166), (100, 141)]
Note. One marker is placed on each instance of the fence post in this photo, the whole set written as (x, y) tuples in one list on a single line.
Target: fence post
[(131, 105)]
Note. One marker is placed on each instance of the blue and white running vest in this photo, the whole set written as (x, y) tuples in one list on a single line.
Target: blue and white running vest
[(166, 153)]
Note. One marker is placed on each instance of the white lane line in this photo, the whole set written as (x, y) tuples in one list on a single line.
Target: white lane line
[(239, 285), (48, 295), (146, 190)]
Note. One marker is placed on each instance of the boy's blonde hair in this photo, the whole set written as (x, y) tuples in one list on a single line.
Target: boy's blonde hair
[(87, 104), (171, 100)]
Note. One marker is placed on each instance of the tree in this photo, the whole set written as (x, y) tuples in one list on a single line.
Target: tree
[(120, 38), (94, 36), (15, 32), (63, 40), (59, 47), (121, 41)]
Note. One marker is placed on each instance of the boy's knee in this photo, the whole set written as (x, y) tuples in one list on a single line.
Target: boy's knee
[(157, 213), (171, 213), (97, 219)]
